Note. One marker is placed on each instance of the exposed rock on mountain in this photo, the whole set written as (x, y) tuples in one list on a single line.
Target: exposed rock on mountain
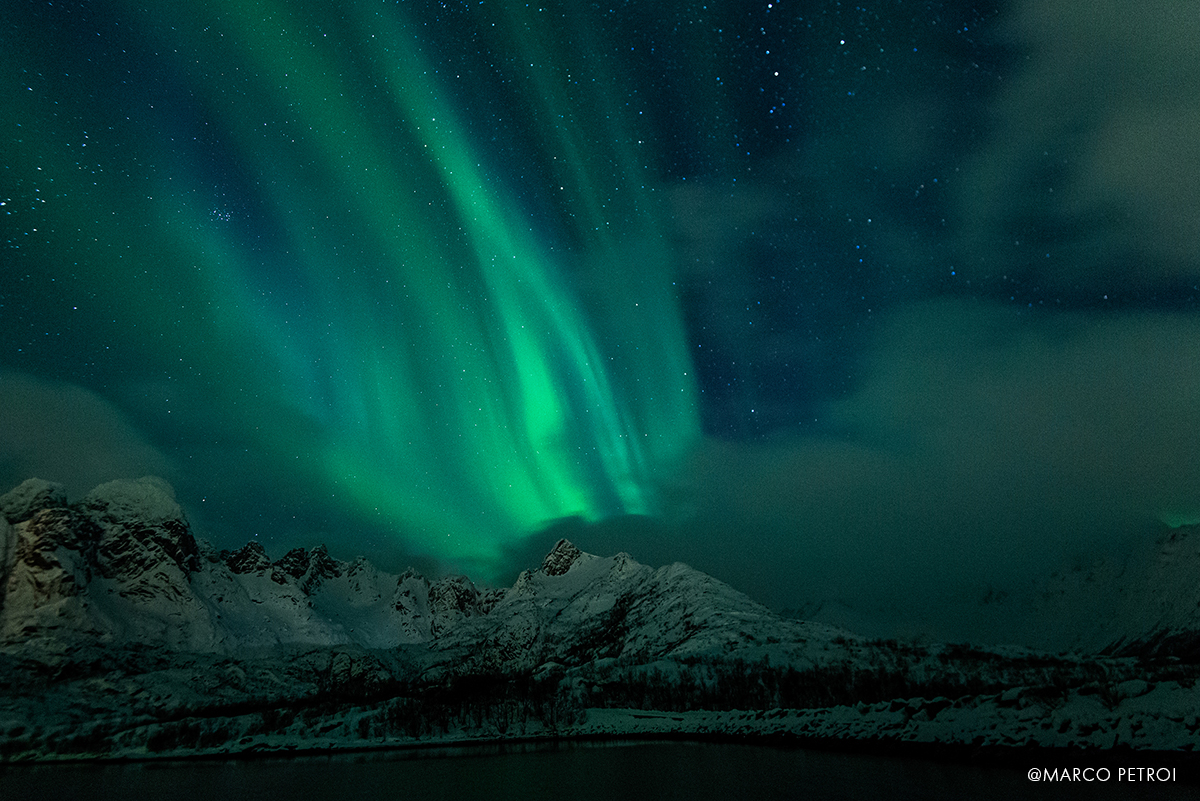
[(30, 497), (123, 635), (560, 558), (122, 567), (250, 558)]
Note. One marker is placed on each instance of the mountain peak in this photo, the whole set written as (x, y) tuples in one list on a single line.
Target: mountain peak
[(560, 558), (29, 498)]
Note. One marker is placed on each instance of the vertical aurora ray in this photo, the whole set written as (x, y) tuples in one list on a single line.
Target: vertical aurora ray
[(399, 276), (550, 430), (410, 337)]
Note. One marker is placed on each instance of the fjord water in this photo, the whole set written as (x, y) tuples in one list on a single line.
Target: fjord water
[(571, 772)]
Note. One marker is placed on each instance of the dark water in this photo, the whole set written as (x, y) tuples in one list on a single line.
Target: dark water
[(570, 772)]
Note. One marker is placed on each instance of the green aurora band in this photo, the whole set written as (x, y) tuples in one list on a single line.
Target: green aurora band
[(400, 335)]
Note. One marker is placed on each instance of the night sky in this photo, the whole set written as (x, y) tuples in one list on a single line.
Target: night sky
[(894, 304)]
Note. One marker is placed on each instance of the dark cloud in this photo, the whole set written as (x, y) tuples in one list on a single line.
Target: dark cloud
[(981, 308), (983, 448), (65, 433), (930, 268), (1090, 175)]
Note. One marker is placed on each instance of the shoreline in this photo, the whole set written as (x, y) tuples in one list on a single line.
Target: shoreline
[(617, 727)]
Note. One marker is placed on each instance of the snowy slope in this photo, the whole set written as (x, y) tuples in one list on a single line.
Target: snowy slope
[(1145, 602), (578, 608), (121, 634), (122, 567)]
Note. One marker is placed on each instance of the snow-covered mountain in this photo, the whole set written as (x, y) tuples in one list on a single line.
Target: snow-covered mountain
[(122, 634), (122, 567), (1145, 602)]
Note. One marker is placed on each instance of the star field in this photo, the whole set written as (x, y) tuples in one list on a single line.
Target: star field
[(847, 298)]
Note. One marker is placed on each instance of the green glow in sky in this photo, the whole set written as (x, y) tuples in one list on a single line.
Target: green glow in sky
[(1177, 519), (852, 300), (400, 329)]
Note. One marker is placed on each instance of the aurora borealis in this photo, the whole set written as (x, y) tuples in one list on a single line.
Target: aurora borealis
[(850, 300), (359, 287)]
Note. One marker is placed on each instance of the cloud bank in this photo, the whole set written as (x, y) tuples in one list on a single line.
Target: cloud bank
[(982, 449), (65, 433), (1089, 180)]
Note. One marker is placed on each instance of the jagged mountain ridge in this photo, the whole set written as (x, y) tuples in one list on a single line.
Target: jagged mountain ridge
[(579, 608), (121, 567), (121, 635)]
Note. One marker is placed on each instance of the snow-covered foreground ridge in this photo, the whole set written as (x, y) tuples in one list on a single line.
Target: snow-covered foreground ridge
[(121, 635)]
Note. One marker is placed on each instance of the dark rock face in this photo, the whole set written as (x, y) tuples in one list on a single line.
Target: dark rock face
[(54, 528), (489, 598), (54, 554), (454, 594), (560, 558), (29, 498), (309, 568), (250, 558), (408, 586), (131, 550), (321, 566), (294, 564), (451, 600), (143, 526)]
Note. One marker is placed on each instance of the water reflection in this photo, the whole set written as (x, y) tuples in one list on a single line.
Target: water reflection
[(575, 771)]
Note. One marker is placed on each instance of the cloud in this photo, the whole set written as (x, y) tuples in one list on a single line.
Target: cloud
[(1092, 167), (1102, 401), (982, 448), (63, 432)]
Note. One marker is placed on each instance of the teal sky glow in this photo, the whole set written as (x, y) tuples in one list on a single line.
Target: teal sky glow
[(893, 304)]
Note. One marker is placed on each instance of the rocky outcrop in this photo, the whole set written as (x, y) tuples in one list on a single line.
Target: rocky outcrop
[(49, 567), (29, 498), (250, 558), (560, 558), (122, 566), (123, 635)]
